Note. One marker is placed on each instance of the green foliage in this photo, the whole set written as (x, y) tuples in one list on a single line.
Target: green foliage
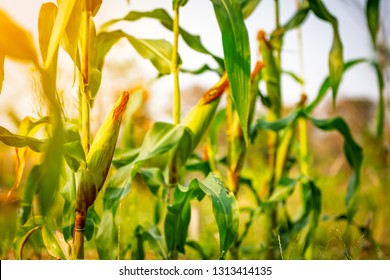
[(237, 52), (157, 51), (373, 19), (168, 163), (193, 41), (336, 51), (24, 232)]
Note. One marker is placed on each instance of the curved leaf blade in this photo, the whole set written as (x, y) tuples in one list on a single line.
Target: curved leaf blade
[(179, 215), (248, 7), (166, 20), (353, 153), (160, 139), (325, 86), (336, 61), (237, 56), (24, 232), (225, 209), (20, 141), (157, 51), (373, 19), (64, 11), (55, 243), (107, 237)]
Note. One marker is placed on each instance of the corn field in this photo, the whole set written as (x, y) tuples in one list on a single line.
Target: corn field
[(240, 175)]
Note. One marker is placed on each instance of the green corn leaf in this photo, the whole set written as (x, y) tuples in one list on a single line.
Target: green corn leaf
[(225, 209), (336, 52), (294, 22), (55, 243), (118, 186), (380, 115), (199, 165), (178, 3), (155, 239), (295, 77), (325, 86), (73, 149), (184, 148), (162, 138), (74, 155), (203, 69), (51, 169), (248, 7), (283, 190), (124, 156), (166, 20), (92, 220), (19, 141), (64, 11), (219, 120), (353, 153), (179, 215), (381, 107), (24, 232), (154, 179), (157, 51), (15, 42), (275, 125), (94, 72), (271, 74), (373, 19), (32, 185), (68, 193), (159, 140), (237, 52), (107, 237), (312, 198), (198, 248), (28, 127), (2, 57)]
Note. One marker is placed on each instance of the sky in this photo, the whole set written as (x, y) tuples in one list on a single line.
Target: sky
[(198, 17)]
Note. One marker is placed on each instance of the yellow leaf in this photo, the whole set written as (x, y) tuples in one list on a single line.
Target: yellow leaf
[(47, 17), (15, 42), (64, 11)]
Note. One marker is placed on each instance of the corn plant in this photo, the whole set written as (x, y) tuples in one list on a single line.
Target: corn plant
[(75, 167)]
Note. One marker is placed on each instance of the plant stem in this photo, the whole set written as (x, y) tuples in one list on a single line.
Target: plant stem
[(86, 132), (175, 68), (277, 23), (174, 168), (80, 217), (78, 234)]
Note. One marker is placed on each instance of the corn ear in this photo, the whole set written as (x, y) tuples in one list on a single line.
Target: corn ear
[(271, 73), (100, 155), (200, 117)]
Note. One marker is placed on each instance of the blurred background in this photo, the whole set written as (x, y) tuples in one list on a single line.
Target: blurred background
[(123, 70)]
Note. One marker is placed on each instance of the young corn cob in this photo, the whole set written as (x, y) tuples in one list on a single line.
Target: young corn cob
[(98, 163), (198, 121), (200, 117), (236, 142)]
